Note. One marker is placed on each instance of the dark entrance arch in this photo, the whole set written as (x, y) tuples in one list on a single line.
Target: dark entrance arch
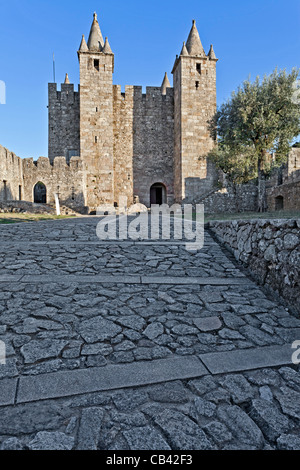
[(279, 204), (40, 193), (158, 194)]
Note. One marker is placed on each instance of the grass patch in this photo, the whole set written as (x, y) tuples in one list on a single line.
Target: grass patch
[(284, 214), (11, 218)]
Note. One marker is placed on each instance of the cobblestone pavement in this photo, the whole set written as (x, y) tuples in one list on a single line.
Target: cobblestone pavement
[(133, 345)]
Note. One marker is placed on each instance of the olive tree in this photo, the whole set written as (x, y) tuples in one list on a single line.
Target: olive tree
[(256, 128)]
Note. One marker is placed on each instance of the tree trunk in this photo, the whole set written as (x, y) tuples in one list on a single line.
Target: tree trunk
[(236, 199), (262, 193)]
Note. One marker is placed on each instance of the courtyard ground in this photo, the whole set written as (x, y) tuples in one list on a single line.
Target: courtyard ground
[(123, 345)]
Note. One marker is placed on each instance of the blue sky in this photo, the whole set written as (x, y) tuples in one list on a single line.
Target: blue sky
[(250, 38)]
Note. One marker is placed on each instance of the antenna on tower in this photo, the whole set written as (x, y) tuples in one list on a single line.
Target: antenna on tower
[(53, 69)]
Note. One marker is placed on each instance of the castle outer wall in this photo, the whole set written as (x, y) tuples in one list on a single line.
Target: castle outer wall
[(18, 178)]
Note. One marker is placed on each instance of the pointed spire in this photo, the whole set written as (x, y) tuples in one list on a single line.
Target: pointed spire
[(194, 45), (165, 84), (107, 49), (83, 45), (184, 50), (95, 42), (211, 54), (67, 81)]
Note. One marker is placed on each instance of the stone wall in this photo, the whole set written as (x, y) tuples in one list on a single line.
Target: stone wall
[(283, 187), (63, 121), (226, 201), (286, 197), (11, 176), (123, 143), (18, 178), (68, 180), (24, 206), (153, 142), (270, 249)]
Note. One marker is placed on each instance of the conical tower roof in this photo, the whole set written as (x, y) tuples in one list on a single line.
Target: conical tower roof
[(165, 84), (83, 45), (194, 45), (212, 54), (107, 49), (95, 42), (67, 81), (184, 50)]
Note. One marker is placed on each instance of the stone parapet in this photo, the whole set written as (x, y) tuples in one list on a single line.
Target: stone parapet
[(271, 251)]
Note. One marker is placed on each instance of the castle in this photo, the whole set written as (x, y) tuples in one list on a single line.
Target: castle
[(105, 145), (151, 146)]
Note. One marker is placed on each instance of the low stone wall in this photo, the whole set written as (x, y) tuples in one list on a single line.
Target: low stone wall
[(270, 249), (24, 206), (225, 200)]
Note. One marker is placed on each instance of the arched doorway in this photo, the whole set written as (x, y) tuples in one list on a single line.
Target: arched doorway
[(40, 193), (158, 194)]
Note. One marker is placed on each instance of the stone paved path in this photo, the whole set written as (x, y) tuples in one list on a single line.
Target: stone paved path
[(134, 345)]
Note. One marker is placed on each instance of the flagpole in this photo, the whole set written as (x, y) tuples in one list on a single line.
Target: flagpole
[(54, 69)]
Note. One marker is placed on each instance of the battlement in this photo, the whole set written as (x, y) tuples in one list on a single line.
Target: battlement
[(63, 113), (136, 91), (10, 158), (43, 163), (66, 93)]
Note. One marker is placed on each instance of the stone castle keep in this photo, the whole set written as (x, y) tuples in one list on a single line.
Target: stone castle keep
[(152, 145), (150, 148), (104, 144)]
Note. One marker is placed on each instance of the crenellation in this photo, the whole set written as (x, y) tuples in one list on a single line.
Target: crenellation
[(11, 175), (42, 162)]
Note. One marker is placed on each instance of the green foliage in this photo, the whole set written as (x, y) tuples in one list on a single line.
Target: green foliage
[(237, 163), (260, 119), (256, 128)]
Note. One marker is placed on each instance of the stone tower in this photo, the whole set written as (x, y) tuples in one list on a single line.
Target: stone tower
[(194, 105), (96, 116)]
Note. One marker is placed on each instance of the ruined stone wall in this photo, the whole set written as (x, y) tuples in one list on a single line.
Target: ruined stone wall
[(290, 194), (224, 200), (26, 207), (283, 188), (153, 142), (63, 121), (292, 171), (270, 249), (68, 180), (11, 176)]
